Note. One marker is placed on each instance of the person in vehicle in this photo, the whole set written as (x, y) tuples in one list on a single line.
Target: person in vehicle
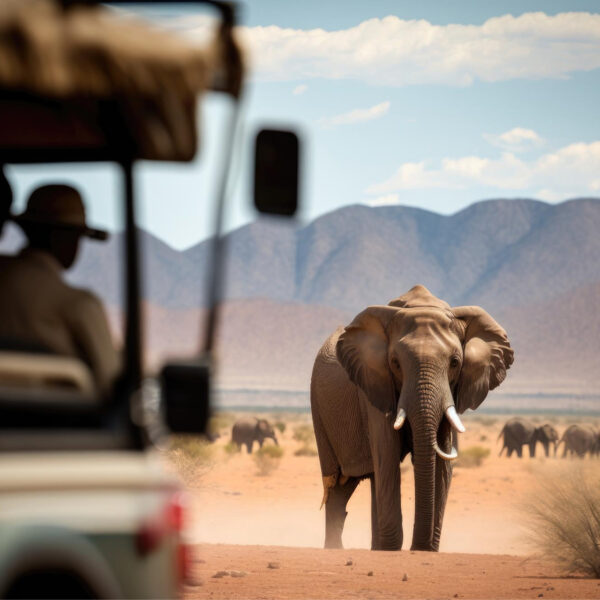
[(37, 307)]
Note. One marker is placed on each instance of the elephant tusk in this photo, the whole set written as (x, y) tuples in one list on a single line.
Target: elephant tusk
[(452, 456), (400, 418), (454, 419)]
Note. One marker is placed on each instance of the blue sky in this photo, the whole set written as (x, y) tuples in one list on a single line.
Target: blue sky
[(430, 104)]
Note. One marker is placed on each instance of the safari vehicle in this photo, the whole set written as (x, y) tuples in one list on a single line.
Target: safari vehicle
[(86, 510)]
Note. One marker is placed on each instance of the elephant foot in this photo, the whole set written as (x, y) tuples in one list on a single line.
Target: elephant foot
[(423, 548), (390, 548)]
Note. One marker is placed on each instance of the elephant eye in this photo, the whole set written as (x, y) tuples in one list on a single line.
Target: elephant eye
[(454, 362), (395, 363)]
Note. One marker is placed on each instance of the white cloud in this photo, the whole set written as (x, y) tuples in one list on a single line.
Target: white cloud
[(572, 170), (387, 200), (300, 89), (358, 115), (515, 140), (396, 52)]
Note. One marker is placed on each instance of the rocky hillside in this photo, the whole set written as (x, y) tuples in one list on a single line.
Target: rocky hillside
[(532, 265)]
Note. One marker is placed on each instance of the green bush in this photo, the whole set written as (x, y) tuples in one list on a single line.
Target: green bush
[(564, 519), (472, 456), (280, 426), (267, 459)]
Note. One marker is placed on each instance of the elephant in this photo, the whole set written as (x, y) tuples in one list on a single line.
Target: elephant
[(249, 430), (390, 383), (578, 440), (520, 432), (546, 435)]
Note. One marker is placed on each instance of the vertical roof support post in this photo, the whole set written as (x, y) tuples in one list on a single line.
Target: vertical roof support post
[(133, 331)]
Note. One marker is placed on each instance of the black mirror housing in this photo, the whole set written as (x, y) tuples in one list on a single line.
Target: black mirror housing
[(185, 388), (276, 166)]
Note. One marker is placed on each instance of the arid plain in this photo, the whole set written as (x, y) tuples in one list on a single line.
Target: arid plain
[(262, 534)]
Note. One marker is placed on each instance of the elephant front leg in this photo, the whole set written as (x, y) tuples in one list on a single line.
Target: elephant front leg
[(388, 510), (386, 446), (443, 478)]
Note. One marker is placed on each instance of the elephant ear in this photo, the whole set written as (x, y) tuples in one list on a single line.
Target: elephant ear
[(362, 349), (262, 425), (418, 295), (487, 356)]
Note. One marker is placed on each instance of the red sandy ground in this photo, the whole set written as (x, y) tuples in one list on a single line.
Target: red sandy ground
[(242, 521), (315, 573)]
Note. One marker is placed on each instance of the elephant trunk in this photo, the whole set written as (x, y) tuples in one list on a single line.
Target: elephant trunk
[(425, 410)]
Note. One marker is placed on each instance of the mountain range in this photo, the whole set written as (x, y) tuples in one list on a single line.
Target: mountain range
[(534, 266)]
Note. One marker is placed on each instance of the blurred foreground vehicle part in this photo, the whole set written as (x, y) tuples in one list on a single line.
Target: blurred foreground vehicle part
[(86, 510)]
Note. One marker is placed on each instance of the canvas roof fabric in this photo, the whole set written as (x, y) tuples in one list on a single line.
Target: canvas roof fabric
[(91, 53)]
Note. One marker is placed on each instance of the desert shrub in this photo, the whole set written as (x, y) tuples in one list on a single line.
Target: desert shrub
[(231, 448), (483, 438), (304, 433), (306, 450), (267, 459), (564, 519), (191, 456), (280, 426), (472, 456)]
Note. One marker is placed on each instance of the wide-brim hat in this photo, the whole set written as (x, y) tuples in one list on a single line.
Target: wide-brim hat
[(59, 206)]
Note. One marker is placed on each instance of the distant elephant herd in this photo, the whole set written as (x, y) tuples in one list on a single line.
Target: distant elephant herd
[(578, 440)]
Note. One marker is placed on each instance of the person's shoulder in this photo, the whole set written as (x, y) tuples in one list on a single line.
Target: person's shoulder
[(82, 298)]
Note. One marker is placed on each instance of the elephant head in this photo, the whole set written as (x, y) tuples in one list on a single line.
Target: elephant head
[(546, 434), (264, 430), (419, 359)]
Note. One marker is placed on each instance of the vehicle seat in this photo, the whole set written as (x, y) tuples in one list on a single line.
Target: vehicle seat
[(46, 371)]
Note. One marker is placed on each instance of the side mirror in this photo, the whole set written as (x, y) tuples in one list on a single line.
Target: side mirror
[(276, 163), (185, 388)]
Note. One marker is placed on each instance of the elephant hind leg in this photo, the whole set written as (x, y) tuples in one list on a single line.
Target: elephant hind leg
[(335, 510)]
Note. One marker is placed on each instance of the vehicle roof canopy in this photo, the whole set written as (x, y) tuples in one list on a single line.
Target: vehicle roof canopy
[(81, 82)]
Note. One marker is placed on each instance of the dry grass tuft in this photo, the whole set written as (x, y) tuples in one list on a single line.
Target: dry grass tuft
[(191, 456), (231, 448), (472, 456), (564, 519), (305, 435)]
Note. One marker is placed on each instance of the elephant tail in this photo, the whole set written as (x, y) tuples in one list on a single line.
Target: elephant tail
[(500, 434)]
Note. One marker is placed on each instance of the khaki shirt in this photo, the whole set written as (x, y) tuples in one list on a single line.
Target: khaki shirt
[(38, 307)]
